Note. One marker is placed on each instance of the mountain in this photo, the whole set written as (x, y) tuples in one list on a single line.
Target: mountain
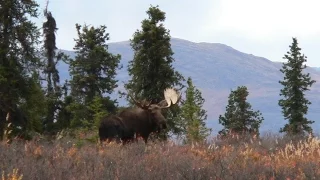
[(216, 69), (317, 68)]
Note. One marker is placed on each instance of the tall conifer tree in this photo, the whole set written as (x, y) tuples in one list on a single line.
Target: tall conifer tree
[(92, 72), (295, 83), (53, 90), (18, 61), (151, 69), (193, 115), (239, 117)]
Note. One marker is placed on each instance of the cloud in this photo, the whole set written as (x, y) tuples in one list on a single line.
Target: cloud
[(262, 19), (260, 27)]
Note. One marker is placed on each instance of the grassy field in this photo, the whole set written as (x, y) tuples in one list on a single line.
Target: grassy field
[(234, 158)]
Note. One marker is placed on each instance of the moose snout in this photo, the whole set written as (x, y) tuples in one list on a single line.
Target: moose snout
[(162, 126)]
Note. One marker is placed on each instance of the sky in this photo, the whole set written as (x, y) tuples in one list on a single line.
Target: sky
[(260, 27)]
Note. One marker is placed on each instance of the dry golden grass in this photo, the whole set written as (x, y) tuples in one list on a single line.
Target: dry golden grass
[(14, 176), (233, 158)]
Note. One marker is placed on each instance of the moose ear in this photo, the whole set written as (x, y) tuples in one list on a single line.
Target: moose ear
[(144, 104)]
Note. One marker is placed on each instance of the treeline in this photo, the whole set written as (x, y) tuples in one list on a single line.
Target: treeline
[(34, 101)]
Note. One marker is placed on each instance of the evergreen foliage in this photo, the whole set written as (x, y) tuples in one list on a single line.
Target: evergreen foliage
[(193, 115), (33, 107), (92, 72), (83, 100), (53, 90), (151, 69), (18, 61), (294, 104), (239, 117), (64, 115)]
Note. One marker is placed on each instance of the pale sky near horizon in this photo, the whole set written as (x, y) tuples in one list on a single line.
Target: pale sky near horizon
[(260, 27)]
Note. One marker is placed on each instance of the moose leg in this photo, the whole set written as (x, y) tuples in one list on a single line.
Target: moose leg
[(125, 141), (145, 138), (127, 136)]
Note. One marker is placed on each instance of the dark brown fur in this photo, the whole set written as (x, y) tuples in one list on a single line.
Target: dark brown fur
[(112, 128), (139, 121), (143, 122), (131, 122)]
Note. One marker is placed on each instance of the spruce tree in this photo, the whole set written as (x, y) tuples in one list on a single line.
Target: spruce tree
[(92, 71), (65, 115), (239, 117), (294, 104), (151, 69), (19, 59), (53, 90), (33, 108), (193, 115)]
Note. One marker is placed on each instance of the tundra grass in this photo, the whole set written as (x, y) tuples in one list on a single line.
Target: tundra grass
[(269, 157)]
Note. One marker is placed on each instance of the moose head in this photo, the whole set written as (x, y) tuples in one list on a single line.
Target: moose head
[(171, 96)]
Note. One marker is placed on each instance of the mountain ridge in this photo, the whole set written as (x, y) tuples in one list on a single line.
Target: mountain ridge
[(216, 69)]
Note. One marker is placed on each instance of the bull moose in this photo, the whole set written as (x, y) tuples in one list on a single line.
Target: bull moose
[(141, 120)]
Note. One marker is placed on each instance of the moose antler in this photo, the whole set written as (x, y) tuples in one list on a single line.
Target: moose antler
[(144, 104), (170, 95)]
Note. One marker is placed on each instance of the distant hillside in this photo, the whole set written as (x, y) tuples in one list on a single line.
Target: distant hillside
[(216, 69)]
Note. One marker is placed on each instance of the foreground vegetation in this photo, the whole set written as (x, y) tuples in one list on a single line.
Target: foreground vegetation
[(33, 99), (270, 157), (36, 106)]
